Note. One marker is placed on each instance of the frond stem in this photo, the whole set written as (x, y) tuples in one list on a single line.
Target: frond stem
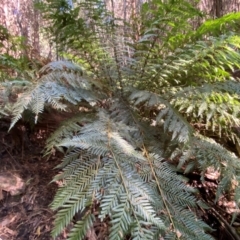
[(158, 185), (120, 171)]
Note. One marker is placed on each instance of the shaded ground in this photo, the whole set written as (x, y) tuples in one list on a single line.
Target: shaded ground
[(27, 216)]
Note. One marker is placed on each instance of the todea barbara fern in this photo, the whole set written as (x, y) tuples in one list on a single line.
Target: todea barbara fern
[(114, 169), (111, 171)]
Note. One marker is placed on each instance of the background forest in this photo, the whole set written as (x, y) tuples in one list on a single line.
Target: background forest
[(132, 107)]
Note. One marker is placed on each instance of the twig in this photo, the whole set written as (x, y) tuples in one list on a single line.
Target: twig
[(228, 227)]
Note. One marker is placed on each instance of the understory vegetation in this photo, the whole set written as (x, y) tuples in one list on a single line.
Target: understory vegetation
[(152, 101)]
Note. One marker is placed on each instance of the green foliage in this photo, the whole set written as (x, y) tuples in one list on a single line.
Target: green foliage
[(13, 63), (61, 81), (9, 92), (103, 167), (208, 154), (221, 25), (146, 101)]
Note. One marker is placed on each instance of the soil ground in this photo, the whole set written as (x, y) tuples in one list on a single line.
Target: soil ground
[(27, 216)]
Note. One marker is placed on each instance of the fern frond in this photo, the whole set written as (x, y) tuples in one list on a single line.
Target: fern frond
[(82, 227), (20, 107), (176, 207), (61, 66), (208, 154), (217, 26), (94, 138), (67, 129), (173, 121), (76, 203), (121, 218), (82, 175), (63, 81), (193, 64), (212, 108), (71, 162), (102, 165)]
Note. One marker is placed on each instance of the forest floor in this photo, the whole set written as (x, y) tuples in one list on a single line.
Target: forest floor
[(27, 215)]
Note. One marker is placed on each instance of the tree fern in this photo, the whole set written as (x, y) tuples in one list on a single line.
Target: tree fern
[(144, 98)]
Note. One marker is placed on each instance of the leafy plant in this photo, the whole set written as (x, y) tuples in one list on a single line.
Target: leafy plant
[(137, 105), (14, 65)]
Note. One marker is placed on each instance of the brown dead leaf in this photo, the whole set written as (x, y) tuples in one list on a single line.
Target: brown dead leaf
[(212, 174)]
